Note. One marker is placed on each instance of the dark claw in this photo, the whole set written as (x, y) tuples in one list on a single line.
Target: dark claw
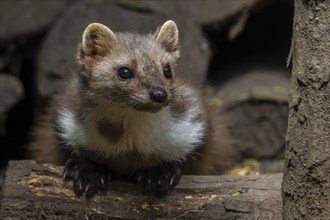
[(160, 179), (175, 177), (88, 177), (70, 167), (139, 177), (91, 190), (78, 186)]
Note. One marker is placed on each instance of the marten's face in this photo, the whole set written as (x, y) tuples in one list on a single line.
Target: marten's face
[(132, 70)]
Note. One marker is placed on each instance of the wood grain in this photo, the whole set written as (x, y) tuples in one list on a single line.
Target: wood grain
[(37, 191)]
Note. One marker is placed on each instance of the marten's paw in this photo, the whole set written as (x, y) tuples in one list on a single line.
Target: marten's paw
[(160, 179), (88, 177)]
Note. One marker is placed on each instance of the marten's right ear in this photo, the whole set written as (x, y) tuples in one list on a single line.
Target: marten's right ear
[(168, 37), (97, 41)]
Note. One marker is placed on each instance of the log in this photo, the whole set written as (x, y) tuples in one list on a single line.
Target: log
[(256, 104), (37, 191)]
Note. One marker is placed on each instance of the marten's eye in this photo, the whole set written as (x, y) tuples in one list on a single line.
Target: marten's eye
[(167, 71), (124, 73)]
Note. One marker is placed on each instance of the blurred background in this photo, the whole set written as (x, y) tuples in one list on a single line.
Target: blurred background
[(238, 46)]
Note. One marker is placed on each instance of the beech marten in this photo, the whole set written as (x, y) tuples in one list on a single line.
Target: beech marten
[(127, 114)]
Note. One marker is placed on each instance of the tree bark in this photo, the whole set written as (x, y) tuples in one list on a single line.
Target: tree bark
[(306, 176), (36, 191)]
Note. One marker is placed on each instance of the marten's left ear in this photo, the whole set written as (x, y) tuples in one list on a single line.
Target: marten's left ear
[(97, 41), (168, 37)]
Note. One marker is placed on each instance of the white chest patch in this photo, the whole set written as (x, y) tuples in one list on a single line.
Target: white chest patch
[(158, 134)]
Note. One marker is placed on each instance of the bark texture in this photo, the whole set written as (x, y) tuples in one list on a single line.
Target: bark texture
[(306, 176), (36, 191)]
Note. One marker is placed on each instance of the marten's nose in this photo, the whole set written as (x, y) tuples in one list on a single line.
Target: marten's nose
[(158, 95)]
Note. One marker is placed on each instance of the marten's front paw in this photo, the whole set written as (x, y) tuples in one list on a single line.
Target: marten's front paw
[(88, 177), (160, 179)]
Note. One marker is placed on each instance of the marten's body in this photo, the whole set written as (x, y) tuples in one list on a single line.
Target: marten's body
[(127, 114)]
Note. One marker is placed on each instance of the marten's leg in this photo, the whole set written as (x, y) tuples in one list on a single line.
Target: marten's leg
[(160, 179), (88, 177)]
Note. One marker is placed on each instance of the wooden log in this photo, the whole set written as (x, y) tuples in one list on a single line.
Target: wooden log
[(256, 104), (37, 191)]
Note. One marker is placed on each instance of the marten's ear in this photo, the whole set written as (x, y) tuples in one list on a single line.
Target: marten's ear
[(97, 41), (168, 37)]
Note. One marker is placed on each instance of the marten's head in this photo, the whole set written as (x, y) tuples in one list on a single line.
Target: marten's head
[(135, 71)]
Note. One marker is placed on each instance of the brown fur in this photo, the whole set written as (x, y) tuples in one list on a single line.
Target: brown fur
[(110, 131), (100, 55), (216, 155), (45, 146)]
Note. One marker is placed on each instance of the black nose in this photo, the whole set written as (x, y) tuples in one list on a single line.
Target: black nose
[(158, 95)]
